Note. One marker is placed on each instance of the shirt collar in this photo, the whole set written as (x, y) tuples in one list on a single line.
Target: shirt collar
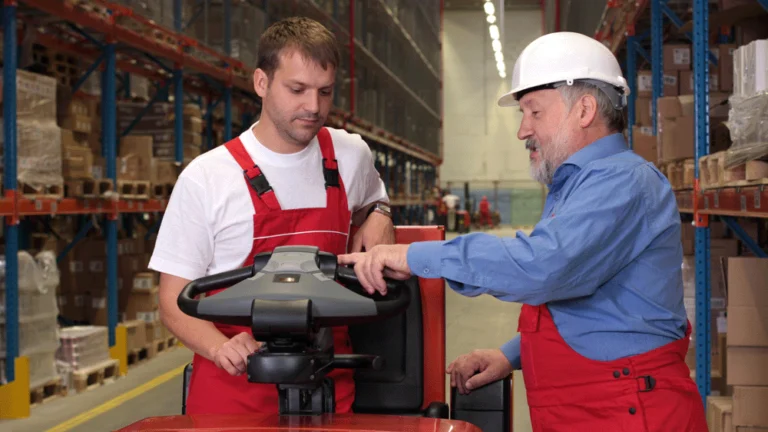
[(602, 148)]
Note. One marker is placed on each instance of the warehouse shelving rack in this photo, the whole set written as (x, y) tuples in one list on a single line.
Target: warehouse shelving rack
[(618, 30), (90, 29)]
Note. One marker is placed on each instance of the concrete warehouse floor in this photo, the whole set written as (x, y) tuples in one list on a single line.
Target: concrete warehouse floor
[(154, 388)]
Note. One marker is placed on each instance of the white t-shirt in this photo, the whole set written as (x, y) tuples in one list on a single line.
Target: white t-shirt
[(208, 223), (451, 201)]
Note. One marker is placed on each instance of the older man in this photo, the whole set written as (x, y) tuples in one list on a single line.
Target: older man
[(603, 331)]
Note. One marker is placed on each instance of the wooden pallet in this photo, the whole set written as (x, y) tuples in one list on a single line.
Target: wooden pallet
[(161, 190), (163, 345), (47, 391), (88, 6), (87, 188), (139, 356), (133, 189), (713, 173), (680, 173), (44, 191), (96, 375)]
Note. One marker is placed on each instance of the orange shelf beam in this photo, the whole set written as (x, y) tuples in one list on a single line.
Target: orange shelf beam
[(71, 206)]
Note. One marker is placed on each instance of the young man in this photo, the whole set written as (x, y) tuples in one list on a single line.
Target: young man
[(287, 180)]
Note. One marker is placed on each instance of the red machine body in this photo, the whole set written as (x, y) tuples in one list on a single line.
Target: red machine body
[(433, 324), (275, 423)]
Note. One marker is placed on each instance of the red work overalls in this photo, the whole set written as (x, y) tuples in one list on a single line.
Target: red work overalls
[(567, 392), (213, 390)]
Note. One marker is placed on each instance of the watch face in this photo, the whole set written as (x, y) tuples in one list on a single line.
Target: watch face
[(384, 207)]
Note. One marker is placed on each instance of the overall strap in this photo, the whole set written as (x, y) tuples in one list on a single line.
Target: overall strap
[(330, 164), (333, 184), (261, 192)]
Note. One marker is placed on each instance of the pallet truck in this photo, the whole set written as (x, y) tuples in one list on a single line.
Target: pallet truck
[(291, 297)]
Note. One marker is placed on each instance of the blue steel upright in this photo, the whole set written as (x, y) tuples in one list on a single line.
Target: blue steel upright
[(657, 59), (178, 93), (178, 112), (109, 142), (701, 112), (9, 183), (632, 81), (228, 87)]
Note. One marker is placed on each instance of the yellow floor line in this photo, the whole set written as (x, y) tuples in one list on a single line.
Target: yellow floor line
[(114, 403)]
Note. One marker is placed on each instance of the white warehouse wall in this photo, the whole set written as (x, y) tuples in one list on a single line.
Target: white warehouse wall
[(480, 138)]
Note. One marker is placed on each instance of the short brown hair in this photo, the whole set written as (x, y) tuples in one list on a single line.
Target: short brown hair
[(306, 35)]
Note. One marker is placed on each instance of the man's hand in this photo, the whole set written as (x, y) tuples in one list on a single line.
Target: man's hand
[(232, 356), (491, 364), (377, 229), (371, 267)]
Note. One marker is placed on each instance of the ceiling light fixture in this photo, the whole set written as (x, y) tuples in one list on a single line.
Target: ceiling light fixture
[(493, 30)]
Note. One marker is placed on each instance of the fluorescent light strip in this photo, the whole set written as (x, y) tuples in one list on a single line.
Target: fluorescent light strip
[(493, 30)]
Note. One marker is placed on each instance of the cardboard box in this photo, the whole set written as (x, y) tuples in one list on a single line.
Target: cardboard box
[(747, 282), (687, 83), (76, 123), (138, 145), (35, 96), (644, 145), (746, 366), (723, 247), (725, 66), (77, 162), (137, 334), (154, 330), (643, 111), (677, 140), (677, 57), (668, 107), (749, 406), (143, 304), (720, 413), (162, 171), (644, 83), (144, 281), (688, 238), (671, 80), (748, 326)]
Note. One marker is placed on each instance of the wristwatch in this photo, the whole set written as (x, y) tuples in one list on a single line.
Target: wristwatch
[(381, 208)]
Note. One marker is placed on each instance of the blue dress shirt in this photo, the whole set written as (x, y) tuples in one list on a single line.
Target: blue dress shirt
[(605, 258)]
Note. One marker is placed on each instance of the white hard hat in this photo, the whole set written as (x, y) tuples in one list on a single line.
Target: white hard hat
[(562, 57)]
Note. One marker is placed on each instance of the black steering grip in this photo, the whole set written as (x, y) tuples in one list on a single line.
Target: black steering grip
[(187, 301), (395, 302)]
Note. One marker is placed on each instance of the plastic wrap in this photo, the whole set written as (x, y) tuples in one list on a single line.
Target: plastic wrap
[(39, 159), (35, 97), (83, 346), (748, 126), (42, 366), (38, 309), (39, 333)]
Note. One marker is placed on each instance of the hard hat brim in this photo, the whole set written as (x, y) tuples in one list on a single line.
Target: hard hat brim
[(508, 100)]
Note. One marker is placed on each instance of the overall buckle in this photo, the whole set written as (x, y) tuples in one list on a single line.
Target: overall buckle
[(331, 173), (257, 180), (649, 381)]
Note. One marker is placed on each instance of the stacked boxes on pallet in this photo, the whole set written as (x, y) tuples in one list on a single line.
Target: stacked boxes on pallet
[(38, 325), (747, 350), (724, 248), (749, 111), (38, 136), (80, 120)]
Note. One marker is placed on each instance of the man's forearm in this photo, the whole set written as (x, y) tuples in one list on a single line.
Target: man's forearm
[(200, 336)]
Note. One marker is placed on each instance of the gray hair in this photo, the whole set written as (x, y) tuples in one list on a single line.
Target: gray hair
[(613, 118)]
